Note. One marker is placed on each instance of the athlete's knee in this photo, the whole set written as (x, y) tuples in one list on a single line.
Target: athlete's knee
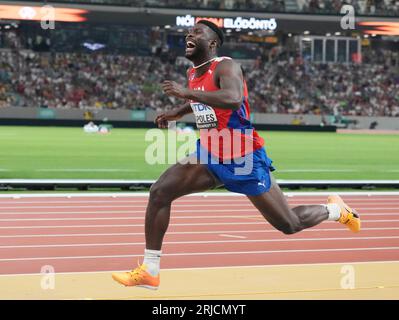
[(159, 195), (289, 227)]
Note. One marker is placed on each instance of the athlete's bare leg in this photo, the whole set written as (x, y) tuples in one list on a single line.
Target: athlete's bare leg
[(274, 207), (177, 181), (180, 179)]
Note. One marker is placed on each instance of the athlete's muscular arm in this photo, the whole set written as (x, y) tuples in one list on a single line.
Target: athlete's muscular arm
[(228, 76), (172, 115)]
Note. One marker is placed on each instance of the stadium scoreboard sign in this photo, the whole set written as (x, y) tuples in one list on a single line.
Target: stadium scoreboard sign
[(383, 28), (40, 13), (230, 23)]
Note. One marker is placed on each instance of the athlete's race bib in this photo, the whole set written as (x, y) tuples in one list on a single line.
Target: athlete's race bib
[(205, 116)]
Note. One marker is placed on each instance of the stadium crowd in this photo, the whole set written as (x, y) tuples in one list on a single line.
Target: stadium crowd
[(300, 87), (86, 81), (366, 7), (286, 84)]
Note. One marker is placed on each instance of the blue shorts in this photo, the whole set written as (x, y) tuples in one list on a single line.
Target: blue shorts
[(249, 175)]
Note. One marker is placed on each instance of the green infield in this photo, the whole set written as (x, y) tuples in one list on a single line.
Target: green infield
[(69, 153)]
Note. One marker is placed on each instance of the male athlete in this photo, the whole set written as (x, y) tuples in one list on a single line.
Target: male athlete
[(218, 97)]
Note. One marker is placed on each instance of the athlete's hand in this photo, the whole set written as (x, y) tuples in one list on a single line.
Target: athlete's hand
[(162, 119), (172, 88)]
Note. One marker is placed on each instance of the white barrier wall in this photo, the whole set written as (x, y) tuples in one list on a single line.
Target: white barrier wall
[(384, 123), (70, 114)]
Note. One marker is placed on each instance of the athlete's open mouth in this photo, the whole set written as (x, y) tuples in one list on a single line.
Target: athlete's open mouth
[(190, 45)]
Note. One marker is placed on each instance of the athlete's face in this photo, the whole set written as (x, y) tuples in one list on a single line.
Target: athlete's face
[(199, 40)]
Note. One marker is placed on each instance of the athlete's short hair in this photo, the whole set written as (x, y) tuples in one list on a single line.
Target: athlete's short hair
[(215, 29)]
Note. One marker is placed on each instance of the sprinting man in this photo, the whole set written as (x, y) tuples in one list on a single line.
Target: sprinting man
[(218, 97)]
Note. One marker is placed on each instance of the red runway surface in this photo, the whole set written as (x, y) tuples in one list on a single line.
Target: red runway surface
[(82, 234)]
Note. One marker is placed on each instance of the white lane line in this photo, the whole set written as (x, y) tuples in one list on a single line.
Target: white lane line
[(244, 214), (204, 194), (186, 199), (333, 170), (224, 205), (213, 268), (175, 217), (243, 211), (200, 203), (133, 225), (182, 232), (359, 202), (75, 207), (339, 264), (86, 170), (320, 170), (193, 242), (131, 218), (180, 201), (15, 203), (127, 211), (203, 253), (261, 222), (232, 236)]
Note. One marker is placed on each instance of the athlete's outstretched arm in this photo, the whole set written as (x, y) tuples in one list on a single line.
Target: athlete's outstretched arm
[(172, 115), (228, 76)]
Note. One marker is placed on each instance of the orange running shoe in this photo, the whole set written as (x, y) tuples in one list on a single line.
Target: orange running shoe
[(349, 217), (138, 277)]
